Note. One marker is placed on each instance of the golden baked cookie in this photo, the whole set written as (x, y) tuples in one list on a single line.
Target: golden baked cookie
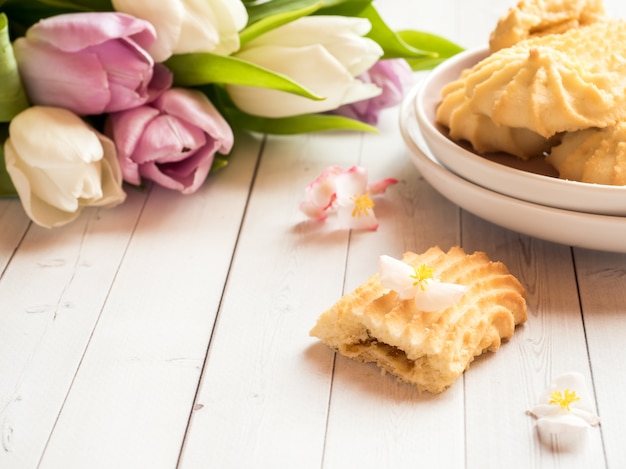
[(455, 113), (429, 350), (555, 83), (592, 155), (531, 18)]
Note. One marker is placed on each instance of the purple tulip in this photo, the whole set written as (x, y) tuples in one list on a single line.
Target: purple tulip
[(171, 141), (393, 76), (90, 63)]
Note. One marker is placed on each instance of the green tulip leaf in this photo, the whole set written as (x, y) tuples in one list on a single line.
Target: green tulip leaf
[(345, 7), (6, 186), (24, 13), (422, 50), (204, 68), (393, 45), (443, 47), (297, 124), (84, 5), (219, 162), (260, 10), (280, 126), (268, 23), (12, 96)]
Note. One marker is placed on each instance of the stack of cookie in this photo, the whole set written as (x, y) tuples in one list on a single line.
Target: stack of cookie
[(554, 84)]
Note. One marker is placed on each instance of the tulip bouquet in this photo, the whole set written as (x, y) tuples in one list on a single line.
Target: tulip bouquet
[(99, 95)]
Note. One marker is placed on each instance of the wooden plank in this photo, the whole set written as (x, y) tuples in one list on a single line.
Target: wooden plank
[(376, 421), (264, 392), (602, 284), (501, 387), (138, 378), (52, 294)]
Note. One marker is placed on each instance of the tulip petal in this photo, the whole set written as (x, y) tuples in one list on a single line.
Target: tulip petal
[(313, 30), (167, 139), (200, 30), (359, 91), (172, 141), (50, 168), (126, 129), (166, 17), (112, 192), (60, 168), (195, 108), (37, 209), (129, 71), (233, 17), (357, 54), (339, 35), (311, 66), (185, 176), (74, 142), (73, 32), (85, 91), (211, 26)]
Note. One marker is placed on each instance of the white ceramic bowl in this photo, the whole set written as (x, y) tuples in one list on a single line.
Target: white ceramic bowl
[(586, 230), (509, 176)]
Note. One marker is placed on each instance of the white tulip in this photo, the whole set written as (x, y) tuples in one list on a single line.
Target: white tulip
[(59, 165), (185, 26), (322, 53)]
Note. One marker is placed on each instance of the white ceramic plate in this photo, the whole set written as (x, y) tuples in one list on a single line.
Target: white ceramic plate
[(504, 173), (601, 232)]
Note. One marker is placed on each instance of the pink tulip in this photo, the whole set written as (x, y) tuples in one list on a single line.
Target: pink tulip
[(171, 141), (394, 77), (90, 63)]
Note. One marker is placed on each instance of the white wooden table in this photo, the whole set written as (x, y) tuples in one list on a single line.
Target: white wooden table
[(173, 331)]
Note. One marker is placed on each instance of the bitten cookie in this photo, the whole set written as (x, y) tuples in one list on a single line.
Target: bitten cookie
[(428, 349)]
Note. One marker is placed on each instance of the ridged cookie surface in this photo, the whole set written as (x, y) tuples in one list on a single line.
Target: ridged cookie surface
[(555, 83), (456, 114), (429, 350), (530, 18), (592, 155)]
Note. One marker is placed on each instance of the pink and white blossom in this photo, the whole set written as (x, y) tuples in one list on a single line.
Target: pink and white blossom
[(419, 284), (565, 410), (348, 194)]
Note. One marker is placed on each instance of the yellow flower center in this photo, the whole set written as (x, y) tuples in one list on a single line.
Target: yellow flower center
[(422, 272), (362, 205), (563, 399)]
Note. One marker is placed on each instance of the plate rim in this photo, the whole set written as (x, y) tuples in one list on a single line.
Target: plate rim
[(609, 230), (563, 192)]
